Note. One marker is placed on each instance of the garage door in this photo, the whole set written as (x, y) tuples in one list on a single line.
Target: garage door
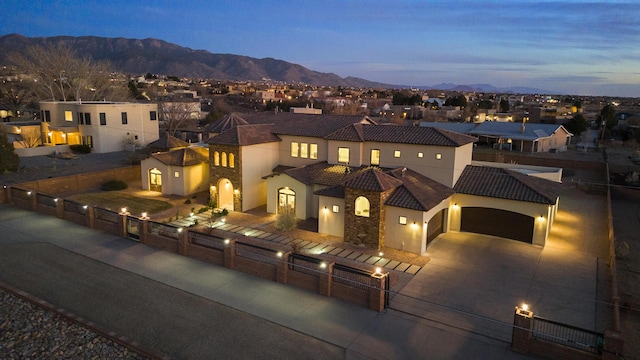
[(497, 222), (435, 226)]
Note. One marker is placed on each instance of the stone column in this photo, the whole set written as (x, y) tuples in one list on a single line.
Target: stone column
[(377, 292), (522, 325)]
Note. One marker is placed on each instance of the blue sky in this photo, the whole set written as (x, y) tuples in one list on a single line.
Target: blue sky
[(572, 47)]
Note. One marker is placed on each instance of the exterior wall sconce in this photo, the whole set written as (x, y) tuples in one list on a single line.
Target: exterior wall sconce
[(28, 193), (325, 210), (323, 265), (540, 218), (55, 200), (279, 254), (85, 207), (455, 206)]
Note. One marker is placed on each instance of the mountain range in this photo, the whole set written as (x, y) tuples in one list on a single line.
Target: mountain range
[(135, 56)]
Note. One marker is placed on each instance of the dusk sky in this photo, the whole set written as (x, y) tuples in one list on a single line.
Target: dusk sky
[(571, 47)]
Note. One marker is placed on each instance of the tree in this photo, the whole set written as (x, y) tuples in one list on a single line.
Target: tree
[(485, 104), (16, 96), (31, 137), (607, 116), (175, 114), (220, 109), (57, 73), (458, 100), (9, 160), (577, 125), (504, 105)]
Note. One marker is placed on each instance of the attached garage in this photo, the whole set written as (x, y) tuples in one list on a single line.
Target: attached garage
[(496, 222), (435, 226)]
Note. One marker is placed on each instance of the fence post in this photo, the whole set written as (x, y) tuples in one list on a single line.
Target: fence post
[(34, 200), (122, 224), (613, 347), (522, 325), (377, 292), (143, 231), (324, 280), (7, 193), (59, 207), (229, 253), (90, 215), (183, 242), (282, 267)]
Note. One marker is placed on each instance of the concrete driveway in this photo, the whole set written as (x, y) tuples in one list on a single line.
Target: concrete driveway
[(474, 281)]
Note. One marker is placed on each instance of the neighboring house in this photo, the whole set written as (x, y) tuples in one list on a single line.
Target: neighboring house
[(522, 137), (167, 143), (104, 126), (377, 185), (181, 171)]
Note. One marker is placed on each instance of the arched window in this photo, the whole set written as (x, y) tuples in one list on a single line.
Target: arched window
[(362, 206), (216, 158), (224, 159), (232, 160)]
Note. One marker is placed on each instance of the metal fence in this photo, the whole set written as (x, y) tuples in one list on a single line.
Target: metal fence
[(356, 278), (74, 207), (106, 215), (20, 193), (46, 200), (305, 264), (256, 252), (212, 242), (567, 335), (163, 230)]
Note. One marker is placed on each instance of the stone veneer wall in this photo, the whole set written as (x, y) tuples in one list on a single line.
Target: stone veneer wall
[(234, 174), (362, 230)]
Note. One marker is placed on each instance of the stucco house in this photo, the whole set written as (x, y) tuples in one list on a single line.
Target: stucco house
[(522, 137), (103, 125), (181, 171), (377, 185)]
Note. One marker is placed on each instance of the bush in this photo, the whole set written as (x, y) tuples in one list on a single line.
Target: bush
[(286, 218), (80, 149), (113, 185)]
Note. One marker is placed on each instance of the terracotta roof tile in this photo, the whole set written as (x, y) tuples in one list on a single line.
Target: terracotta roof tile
[(227, 122), (401, 134), (418, 191), (168, 142), (245, 135), (305, 124), (506, 184), (372, 180), (184, 157)]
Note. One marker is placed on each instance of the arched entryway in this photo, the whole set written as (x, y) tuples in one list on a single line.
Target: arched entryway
[(225, 194), (155, 180), (286, 197)]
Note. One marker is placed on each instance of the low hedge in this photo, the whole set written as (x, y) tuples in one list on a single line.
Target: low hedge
[(80, 149), (113, 185)]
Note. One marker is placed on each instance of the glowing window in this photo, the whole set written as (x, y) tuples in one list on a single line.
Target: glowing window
[(438, 156), (216, 158), (294, 149), (335, 208), (313, 151), (362, 206), (402, 220), (68, 116), (375, 157), (304, 150), (396, 154), (224, 159), (176, 174), (420, 155), (343, 155), (232, 160)]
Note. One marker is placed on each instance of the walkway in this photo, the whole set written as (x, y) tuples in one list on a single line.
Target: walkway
[(190, 309)]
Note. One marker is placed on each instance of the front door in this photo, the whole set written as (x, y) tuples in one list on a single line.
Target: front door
[(286, 198)]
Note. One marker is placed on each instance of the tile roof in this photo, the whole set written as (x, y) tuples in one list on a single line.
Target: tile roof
[(168, 142), (372, 180), (245, 135), (515, 131), (401, 134), (305, 124), (506, 184), (227, 122), (331, 191), (418, 191), (184, 157)]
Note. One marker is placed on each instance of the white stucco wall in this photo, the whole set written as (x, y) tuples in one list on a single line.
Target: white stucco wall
[(285, 150), (301, 190), (329, 222), (257, 161), (355, 152)]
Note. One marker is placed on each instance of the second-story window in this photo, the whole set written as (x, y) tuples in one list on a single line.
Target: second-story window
[(232, 160), (343, 155), (87, 118), (224, 159), (103, 119), (396, 154), (313, 151), (125, 121), (68, 115), (294, 148), (153, 115), (375, 157), (216, 158), (304, 150)]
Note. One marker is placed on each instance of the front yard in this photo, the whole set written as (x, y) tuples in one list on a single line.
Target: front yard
[(116, 200)]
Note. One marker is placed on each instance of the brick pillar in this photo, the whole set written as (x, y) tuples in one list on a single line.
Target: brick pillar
[(90, 214), (60, 208), (282, 267), (613, 345), (7, 194), (122, 225), (324, 280), (183, 242), (229, 253), (522, 325), (377, 292), (4, 195), (34, 200), (143, 231)]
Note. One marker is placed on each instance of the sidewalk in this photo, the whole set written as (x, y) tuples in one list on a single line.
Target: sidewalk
[(189, 309)]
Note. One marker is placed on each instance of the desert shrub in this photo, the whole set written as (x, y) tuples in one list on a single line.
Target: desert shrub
[(113, 185), (188, 201), (80, 149), (286, 219)]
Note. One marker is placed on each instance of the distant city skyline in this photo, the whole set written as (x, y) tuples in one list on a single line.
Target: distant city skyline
[(571, 47)]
